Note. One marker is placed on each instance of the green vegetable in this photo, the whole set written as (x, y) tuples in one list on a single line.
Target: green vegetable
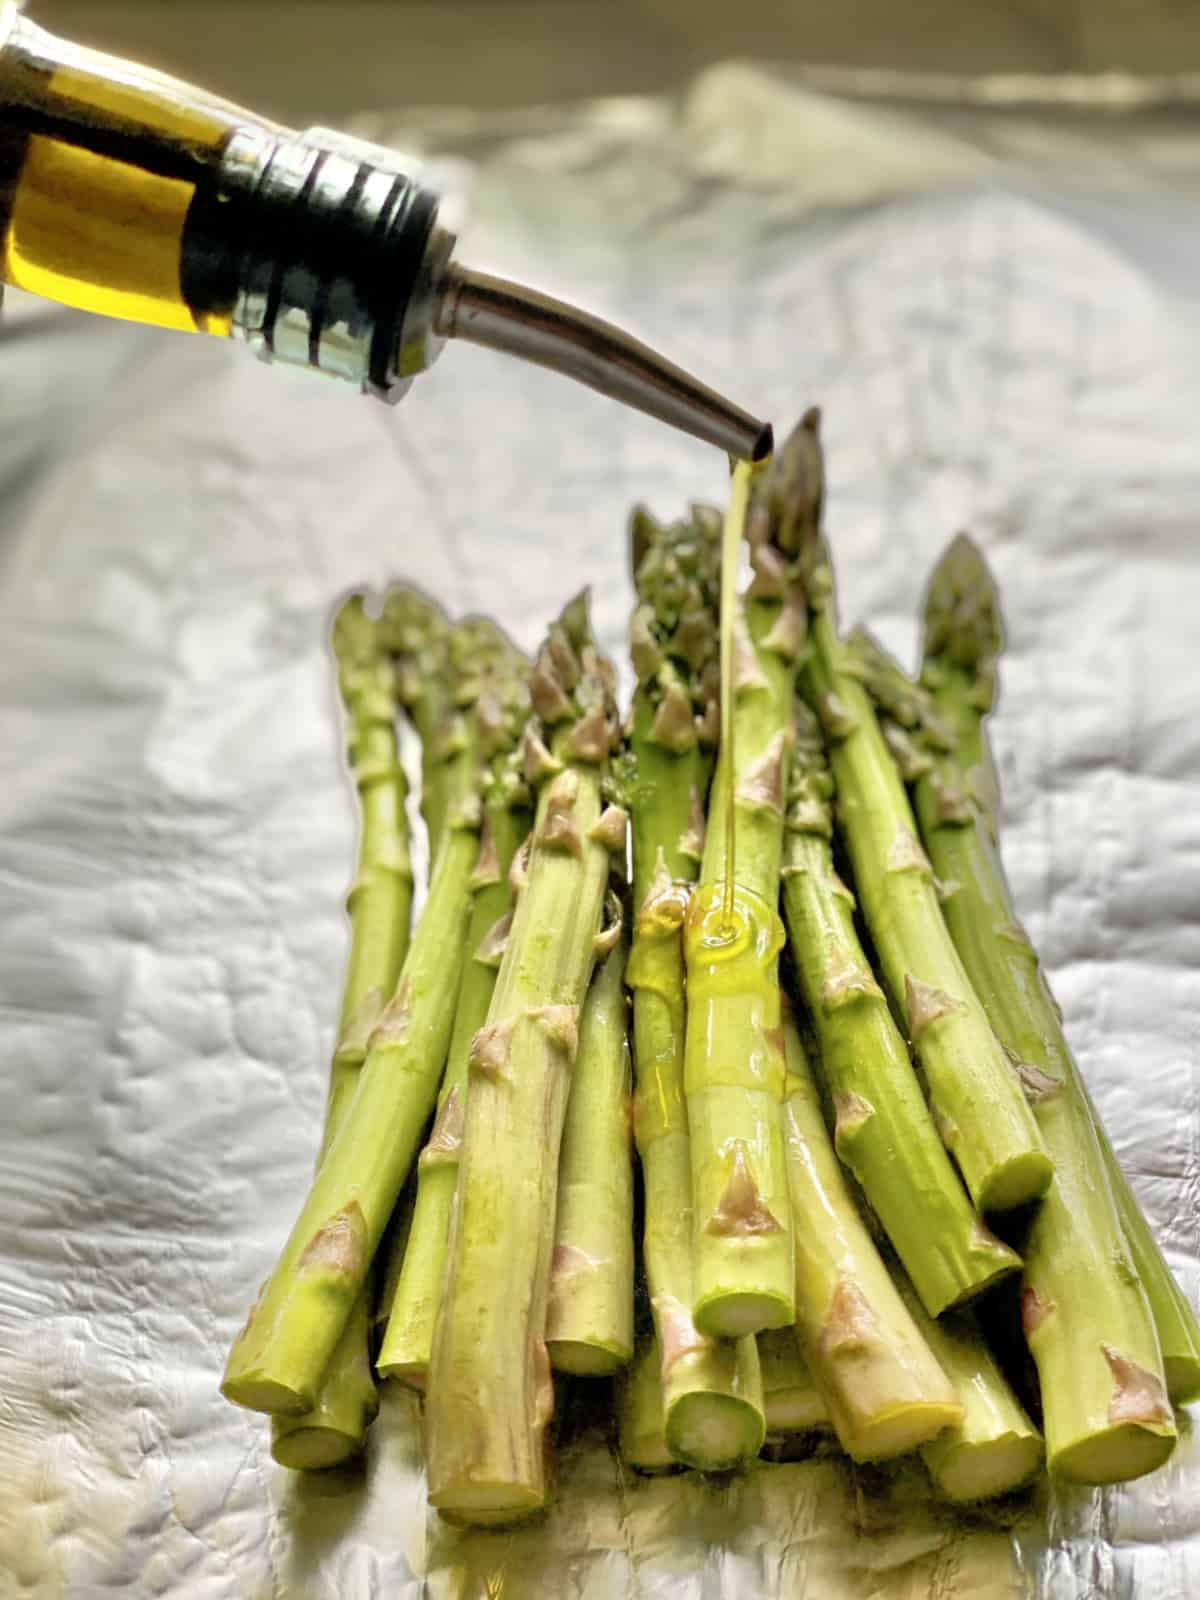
[(883, 1131), (278, 1360), (885, 1392), (711, 1390), (491, 1395), (501, 714), (379, 905)]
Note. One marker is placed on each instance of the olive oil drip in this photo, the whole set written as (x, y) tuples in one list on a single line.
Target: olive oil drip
[(744, 473)]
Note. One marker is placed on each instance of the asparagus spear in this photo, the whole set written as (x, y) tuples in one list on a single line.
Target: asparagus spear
[(793, 1402), (995, 1448), (408, 1341), (640, 1412), (885, 1392), (884, 1132), (711, 1389), (978, 1105), (1087, 1319), (589, 1316), (963, 639), (379, 905), (490, 1392), (278, 1359), (734, 1069)]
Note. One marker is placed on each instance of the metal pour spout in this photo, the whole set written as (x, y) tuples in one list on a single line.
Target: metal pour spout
[(522, 322)]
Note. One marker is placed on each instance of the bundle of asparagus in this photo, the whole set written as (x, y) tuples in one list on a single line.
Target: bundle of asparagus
[(1091, 1263), (825, 1154)]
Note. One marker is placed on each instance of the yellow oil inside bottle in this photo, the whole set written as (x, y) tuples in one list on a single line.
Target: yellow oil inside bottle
[(120, 261), (100, 163)]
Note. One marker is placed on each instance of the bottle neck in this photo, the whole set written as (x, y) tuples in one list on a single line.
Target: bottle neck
[(337, 260)]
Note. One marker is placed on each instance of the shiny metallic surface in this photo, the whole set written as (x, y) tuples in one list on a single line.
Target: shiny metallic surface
[(523, 322), (419, 339), (1006, 344), (243, 164), (299, 287)]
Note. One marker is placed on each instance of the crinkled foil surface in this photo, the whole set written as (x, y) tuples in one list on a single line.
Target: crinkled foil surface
[(994, 313)]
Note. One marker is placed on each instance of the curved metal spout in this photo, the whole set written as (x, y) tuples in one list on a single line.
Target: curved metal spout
[(522, 322)]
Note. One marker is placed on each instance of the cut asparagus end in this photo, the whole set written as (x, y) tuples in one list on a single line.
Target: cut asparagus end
[(640, 1414), (715, 1432), (734, 1313), (259, 1391), (316, 1449), (584, 1358), (901, 1429), (995, 1448), (486, 1505), (409, 1370), (1114, 1455), (969, 1471), (796, 1411), (791, 1401), (1017, 1181), (335, 1430)]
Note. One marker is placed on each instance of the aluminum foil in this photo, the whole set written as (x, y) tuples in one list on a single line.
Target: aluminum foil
[(992, 314)]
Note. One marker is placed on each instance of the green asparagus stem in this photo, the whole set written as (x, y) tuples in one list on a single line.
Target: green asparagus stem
[(503, 709), (885, 1392), (379, 906), (978, 1105), (963, 640), (1087, 1319), (491, 1394), (884, 1132), (995, 1448), (793, 1402), (277, 1362), (589, 1316), (711, 1389), (734, 1070), (389, 1260), (640, 1413), (1174, 1319)]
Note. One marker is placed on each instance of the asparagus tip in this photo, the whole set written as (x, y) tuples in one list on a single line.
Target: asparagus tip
[(962, 608)]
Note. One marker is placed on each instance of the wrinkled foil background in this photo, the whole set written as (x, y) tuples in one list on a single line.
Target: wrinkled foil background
[(994, 309)]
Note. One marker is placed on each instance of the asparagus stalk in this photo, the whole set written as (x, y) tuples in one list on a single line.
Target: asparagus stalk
[(734, 1068), (408, 1341), (490, 1392), (885, 1393), (978, 1105), (963, 639), (379, 906), (1087, 1320), (995, 1448), (793, 1402), (640, 1413), (589, 1317), (883, 1132), (711, 1389), (277, 1362)]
